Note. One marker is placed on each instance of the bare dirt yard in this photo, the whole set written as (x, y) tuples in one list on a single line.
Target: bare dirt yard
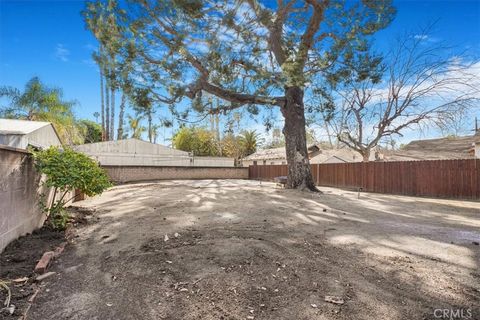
[(237, 249)]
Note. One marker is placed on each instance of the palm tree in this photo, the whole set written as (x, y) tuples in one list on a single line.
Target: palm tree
[(96, 115), (249, 141), (136, 127), (99, 19), (95, 21), (143, 104), (41, 103), (154, 133)]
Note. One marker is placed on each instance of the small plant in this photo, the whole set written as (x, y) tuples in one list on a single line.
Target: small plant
[(67, 170)]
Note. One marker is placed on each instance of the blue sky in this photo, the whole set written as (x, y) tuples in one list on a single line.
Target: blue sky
[(48, 39)]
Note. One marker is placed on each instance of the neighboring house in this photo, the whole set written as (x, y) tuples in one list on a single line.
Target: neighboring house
[(316, 154), (266, 156), (135, 152), (438, 149), (23, 133), (341, 155)]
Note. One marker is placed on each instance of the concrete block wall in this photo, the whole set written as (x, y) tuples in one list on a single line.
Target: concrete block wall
[(122, 174), (19, 195)]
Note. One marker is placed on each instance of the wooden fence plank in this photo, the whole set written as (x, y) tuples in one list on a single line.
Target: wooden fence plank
[(431, 178)]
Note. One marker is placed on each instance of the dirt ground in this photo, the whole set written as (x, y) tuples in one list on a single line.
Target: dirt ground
[(237, 249), (18, 261)]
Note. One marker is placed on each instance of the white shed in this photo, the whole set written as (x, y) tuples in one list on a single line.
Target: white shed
[(135, 152), (23, 133)]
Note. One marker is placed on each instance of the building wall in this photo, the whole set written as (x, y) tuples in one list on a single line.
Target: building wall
[(43, 138), (134, 152), (19, 141), (333, 160), (130, 147), (123, 159), (261, 162), (212, 162), (122, 174), (19, 187)]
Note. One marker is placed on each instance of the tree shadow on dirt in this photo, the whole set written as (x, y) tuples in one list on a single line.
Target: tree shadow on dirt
[(248, 250)]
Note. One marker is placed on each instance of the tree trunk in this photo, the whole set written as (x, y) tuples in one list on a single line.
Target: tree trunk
[(150, 133), (366, 155), (120, 118), (299, 171), (102, 104), (112, 114), (107, 112)]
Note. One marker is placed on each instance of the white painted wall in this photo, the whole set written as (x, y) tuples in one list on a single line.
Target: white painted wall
[(42, 138), (260, 162), (134, 152), (18, 141), (128, 146)]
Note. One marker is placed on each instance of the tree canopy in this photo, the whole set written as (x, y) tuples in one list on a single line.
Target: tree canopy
[(246, 52), (416, 85), (199, 141)]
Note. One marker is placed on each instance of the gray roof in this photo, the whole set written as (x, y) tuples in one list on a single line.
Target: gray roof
[(342, 154), (20, 127), (436, 149), (268, 154), (318, 154), (448, 144)]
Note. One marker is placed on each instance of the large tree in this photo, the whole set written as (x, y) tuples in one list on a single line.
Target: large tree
[(91, 131), (419, 84), (247, 53), (199, 141)]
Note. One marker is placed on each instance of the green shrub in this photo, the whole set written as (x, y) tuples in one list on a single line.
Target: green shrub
[(65, 171)]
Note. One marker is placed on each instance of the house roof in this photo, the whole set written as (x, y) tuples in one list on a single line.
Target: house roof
[(448, 144), (436, 149), (20, 127), (318, 154), (268, 154), (342, 154)]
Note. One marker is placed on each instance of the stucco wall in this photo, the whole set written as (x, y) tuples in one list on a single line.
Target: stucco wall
[(20, 189), (122, 174), (19, 186)]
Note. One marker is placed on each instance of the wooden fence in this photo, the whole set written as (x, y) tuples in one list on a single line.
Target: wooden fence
[(429, 178)]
